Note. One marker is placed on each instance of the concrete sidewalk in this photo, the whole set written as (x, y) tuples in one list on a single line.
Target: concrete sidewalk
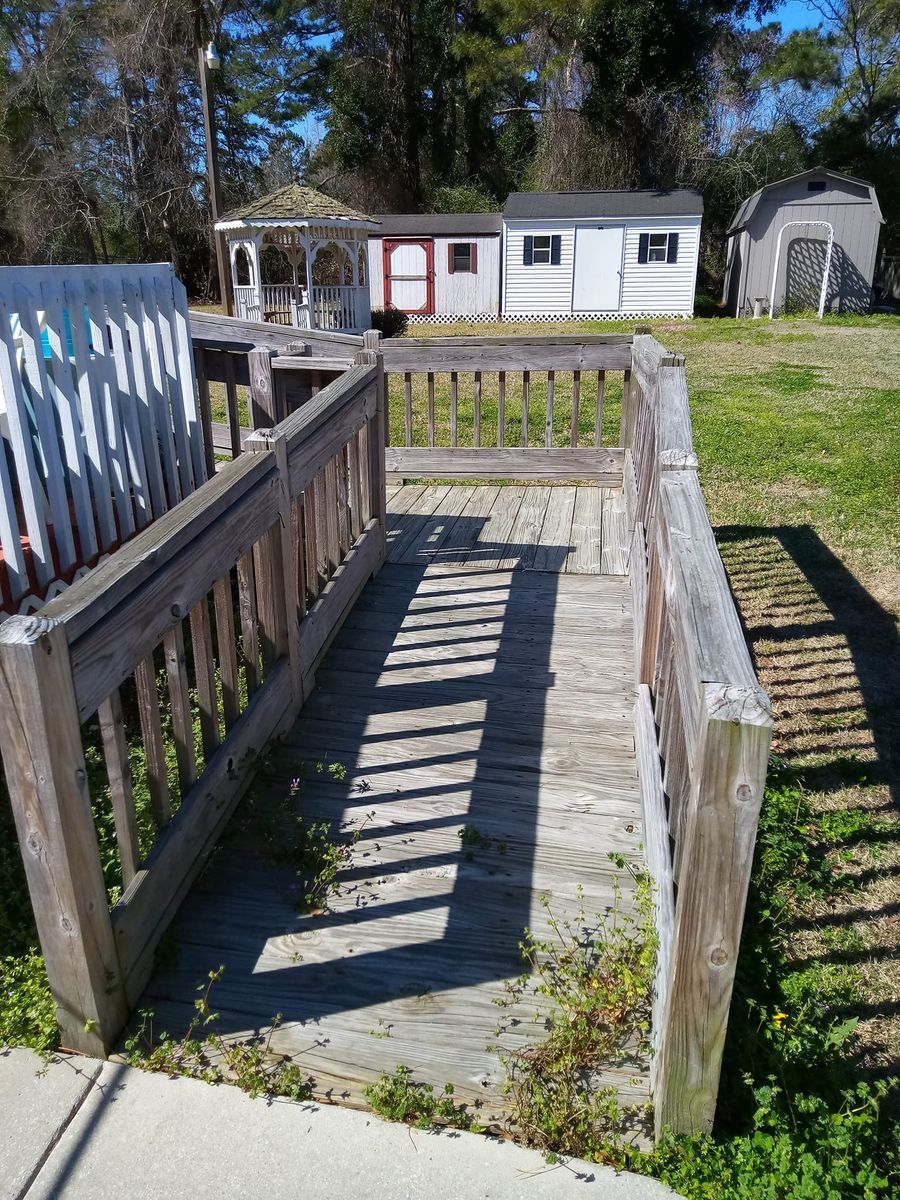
[(83, 1129)]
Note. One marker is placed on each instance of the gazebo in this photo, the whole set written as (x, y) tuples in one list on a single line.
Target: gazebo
[(298, 257)]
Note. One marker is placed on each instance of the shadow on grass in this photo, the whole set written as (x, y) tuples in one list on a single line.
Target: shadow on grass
[(827, 862)]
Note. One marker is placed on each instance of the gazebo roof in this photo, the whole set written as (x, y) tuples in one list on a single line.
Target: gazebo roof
[(294, 203)]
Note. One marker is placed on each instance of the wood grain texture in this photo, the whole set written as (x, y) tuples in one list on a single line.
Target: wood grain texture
[(425, 928), (603, 466), (47, 779)]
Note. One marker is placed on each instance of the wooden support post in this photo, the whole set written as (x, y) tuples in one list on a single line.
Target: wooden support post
[(40, 742), (720, 834), (375, 443), (263, 414)]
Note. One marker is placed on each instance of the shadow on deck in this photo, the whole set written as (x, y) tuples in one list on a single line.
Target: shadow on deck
[(482, 720)]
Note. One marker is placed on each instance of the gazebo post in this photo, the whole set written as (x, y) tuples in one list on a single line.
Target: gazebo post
[(310, 304), (254, 250), (354, 279)]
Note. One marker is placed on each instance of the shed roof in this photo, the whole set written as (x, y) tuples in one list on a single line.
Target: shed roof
[(678, 202), (294, 202), (438, 224), (750, 205)]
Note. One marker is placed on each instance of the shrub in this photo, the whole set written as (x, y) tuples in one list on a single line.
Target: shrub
[(389, 321)]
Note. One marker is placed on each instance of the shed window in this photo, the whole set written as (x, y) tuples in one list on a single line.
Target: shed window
[(658, 248), (816, 185), (462, 256), (542, 248)]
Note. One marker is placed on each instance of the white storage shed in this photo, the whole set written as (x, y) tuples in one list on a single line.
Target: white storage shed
[(601, 254), (437, 267)]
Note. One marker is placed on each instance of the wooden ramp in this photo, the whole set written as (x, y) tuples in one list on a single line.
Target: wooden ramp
[(484, 720)]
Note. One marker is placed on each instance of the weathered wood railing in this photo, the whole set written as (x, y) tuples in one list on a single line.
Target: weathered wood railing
[(215, 617), (703, 727), (496, 408), (305, 361)]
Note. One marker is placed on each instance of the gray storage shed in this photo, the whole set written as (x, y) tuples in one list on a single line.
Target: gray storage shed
[(849, 205)]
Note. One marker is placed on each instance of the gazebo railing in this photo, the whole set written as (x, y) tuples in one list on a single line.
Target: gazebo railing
[(336, 307), (246, 303), (340, 307)]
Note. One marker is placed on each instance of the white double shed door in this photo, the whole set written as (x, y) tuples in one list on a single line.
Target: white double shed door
[(599, 258)]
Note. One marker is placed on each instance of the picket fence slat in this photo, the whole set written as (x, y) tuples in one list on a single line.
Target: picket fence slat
[(100, 427)]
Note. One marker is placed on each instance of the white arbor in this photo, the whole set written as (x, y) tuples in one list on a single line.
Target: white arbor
[(298, 257)]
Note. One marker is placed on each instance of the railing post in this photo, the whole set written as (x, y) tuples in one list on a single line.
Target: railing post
[(276, 570), (263, 413), (375, 439), (735, 728), (40, 742)]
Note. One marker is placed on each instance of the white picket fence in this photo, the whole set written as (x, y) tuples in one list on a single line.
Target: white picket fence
[(99, 427)]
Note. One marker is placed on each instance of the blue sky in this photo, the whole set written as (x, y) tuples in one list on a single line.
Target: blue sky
[(794, 14)]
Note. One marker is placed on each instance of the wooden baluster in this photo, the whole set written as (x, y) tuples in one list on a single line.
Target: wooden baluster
[(576, 401), (407, 396), (454, 406), (118, 769), (365, 483), (298, 534), (180, 704), (343, 514), (231, 405), (501, 409), (548, 427), (205, 673), (154, 747), (431, 409), (310, 537), (526, 396), (476, 411), (353, 464), (321, 539), (332, 534), (228, 668), (203, 403), (246, 581), (598, 415)]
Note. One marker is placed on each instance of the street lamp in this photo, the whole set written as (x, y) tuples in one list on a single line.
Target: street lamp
[(209, 60)]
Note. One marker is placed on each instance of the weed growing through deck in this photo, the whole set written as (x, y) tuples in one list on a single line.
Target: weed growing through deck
[(248, 1063), (473, 839), (399, 1097), (312, 848), (596, 973)]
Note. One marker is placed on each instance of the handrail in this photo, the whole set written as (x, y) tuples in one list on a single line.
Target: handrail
[(247, 580), (703, 727)]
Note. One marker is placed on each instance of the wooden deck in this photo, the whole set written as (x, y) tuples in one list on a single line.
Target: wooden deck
[(455, 696), (576, 530)]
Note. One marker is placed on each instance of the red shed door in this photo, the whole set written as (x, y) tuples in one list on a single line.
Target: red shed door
[(409, 275)]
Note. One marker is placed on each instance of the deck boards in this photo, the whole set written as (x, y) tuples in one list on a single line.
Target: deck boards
[(454, 695), (570, 529)]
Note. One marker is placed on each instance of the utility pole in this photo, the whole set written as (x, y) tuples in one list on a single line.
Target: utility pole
[(209, 60)]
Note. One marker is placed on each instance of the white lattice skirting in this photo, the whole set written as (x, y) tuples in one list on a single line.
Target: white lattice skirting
[(541, 317)]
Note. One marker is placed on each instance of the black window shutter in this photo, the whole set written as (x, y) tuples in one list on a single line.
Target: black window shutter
[(643, 247), (528, 253), (672, 251), (555, 249)]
